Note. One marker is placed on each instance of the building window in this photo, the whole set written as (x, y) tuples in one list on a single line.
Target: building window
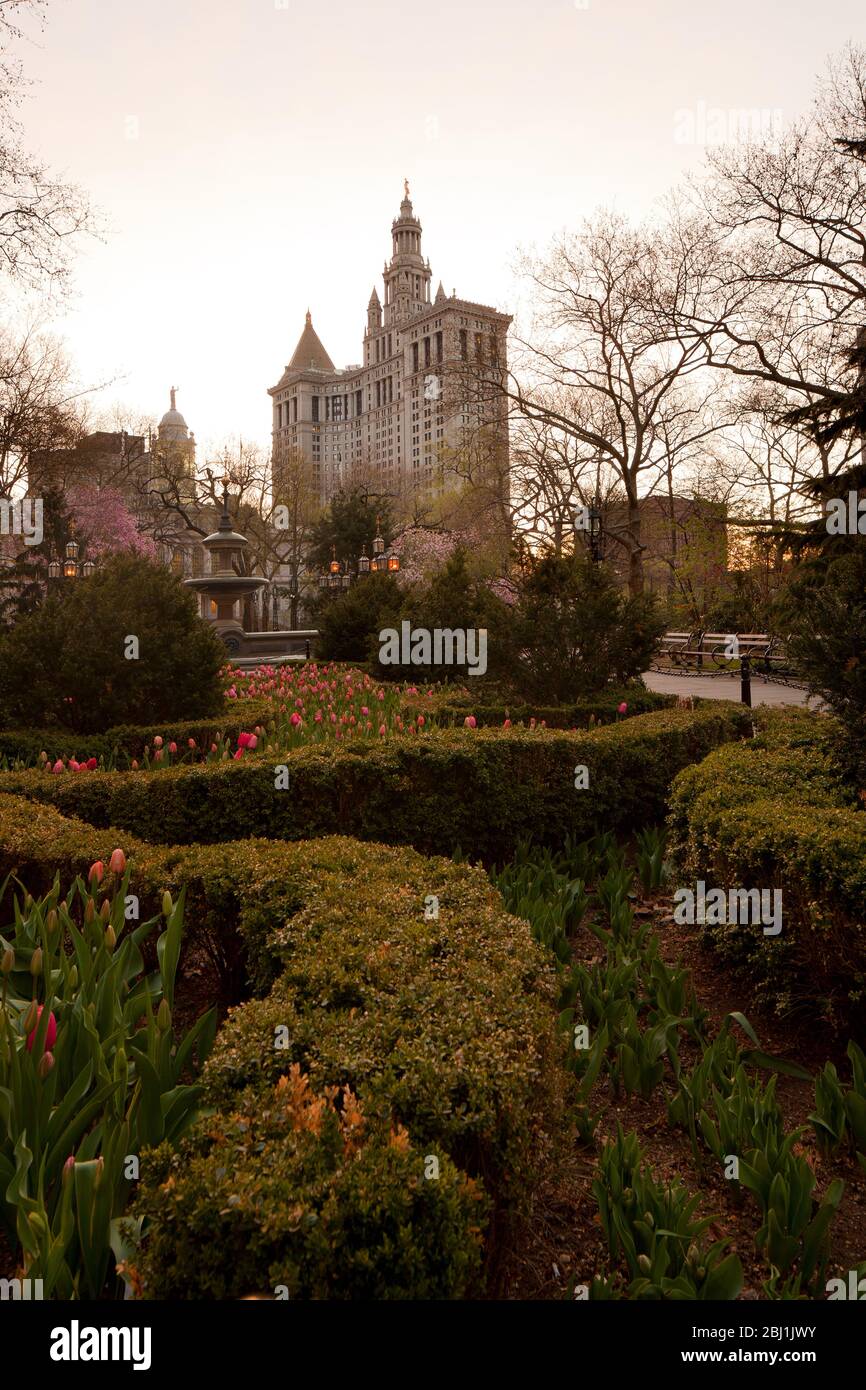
[(438, 347), (415, 357), (464, 344), (315, 407)]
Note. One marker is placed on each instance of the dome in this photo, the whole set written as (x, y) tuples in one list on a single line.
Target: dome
[(173, 426)]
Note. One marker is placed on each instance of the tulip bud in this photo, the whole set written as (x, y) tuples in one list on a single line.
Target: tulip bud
[(73, 977), (96, 872), (110, 938), (46, 1062), (166, 903), (51, 922), (69, 1168), (37, 1223), (89, 911), (36, 962), (163, 1017), (7, 965), (117, 862), (645, 1263), (31, 1017), (105, 910)]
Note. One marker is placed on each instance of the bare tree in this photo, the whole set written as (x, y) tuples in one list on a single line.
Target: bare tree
[(604, 364), (40, 215), (781, 298)]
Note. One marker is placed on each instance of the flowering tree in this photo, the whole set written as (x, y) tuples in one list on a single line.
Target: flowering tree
[(105, 523)]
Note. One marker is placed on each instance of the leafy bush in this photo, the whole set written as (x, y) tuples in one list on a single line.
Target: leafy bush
[(483, 790), (306, 1193), (349, 623), (575, 631), (824, 613), (774, 811), (66, 663)]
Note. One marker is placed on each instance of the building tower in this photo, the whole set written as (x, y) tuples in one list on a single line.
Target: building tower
[(407, 278)]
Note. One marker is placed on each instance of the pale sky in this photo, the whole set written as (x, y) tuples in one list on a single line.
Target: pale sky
[(248, 156)]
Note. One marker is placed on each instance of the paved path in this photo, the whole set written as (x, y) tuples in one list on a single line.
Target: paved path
[(725, 688)]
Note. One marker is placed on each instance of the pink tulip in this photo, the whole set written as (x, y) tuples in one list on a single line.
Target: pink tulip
[(135, 764), (172, 747), (50, 1036), (295, 720), (364, 709), (74, 765), (96, 871), (244, 740), (117, 862), (469, 721), (507, 724), (420, 721), (157, 757), (239, 754), (58, 766), (381, 729), (253, 743), (621, 709), (157, 742), (190, 743), (91, 764)]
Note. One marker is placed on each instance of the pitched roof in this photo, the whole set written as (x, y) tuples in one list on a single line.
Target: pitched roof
[(310, 354)]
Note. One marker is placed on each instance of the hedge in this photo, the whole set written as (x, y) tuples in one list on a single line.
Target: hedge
[(604, 707), (443, 1028), (481, 790), (130, 740), (774, 813)]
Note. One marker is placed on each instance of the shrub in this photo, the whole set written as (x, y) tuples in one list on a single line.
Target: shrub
[(775, 813), (291, 1189), (824, 608), (349, 623), (575, 631), (481, 790), (66, 663)]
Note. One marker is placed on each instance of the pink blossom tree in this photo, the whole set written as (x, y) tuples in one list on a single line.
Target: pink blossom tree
[(105, 523)]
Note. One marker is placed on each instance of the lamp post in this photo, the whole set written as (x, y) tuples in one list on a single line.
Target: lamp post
[(596, 531), (71, 567), (340, 576)]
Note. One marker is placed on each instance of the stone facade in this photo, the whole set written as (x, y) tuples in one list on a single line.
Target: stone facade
[(391, 420)]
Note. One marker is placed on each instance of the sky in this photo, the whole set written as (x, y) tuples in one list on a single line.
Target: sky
[(248, 156)]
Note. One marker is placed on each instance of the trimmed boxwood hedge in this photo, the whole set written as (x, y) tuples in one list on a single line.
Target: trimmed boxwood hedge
[(444, 1028), (493, 711), (28, 744), (478, 790), (774, 813)]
